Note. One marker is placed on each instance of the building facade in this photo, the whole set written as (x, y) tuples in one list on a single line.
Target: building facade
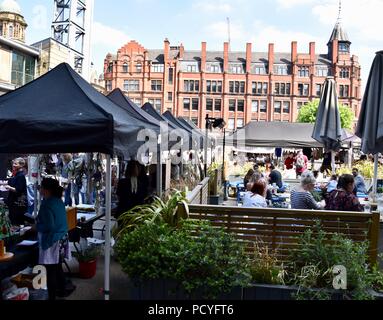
[(18, 61), (237, 86)]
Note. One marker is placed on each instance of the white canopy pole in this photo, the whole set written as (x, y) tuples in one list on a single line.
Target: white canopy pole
[(108, 216), (159, 168), (375, 181)]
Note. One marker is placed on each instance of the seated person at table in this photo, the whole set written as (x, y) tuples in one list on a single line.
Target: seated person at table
[(256, 197), (17, 193), (255, 178), (360, 185), (333, 184), (52, 231), (275, 177), (301, 196), (248, 177), (343, 198)]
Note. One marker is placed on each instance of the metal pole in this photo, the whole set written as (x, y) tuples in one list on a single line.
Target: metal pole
[(159, 170), (375, 181), (206, 143), (225, 195), (108, 216)]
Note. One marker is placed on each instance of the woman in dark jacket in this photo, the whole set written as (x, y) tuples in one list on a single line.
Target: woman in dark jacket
[(17, 193)]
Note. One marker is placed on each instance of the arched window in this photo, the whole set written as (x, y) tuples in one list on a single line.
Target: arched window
[(10, 32)]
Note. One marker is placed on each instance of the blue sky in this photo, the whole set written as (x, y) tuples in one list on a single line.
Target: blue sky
[(192, 21)]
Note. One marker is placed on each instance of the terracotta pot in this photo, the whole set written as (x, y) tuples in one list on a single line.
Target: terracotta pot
[(87, 270)]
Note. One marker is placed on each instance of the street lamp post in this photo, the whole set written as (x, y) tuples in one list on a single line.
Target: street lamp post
[(210, 124)]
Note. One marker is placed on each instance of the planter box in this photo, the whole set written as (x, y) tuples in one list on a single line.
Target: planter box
[(278, 293), (214, 200), (166, 290)]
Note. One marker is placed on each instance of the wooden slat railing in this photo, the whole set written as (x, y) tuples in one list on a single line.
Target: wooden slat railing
[(280, 229)]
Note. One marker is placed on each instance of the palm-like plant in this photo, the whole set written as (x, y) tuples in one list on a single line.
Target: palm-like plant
[(160, 210)]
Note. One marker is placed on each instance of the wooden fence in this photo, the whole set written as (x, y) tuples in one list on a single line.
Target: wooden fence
[(281, 229), (200, 195)]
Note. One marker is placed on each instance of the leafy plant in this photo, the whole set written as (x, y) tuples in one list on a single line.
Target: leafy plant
[(156, 212), (265, 267), (89, 254), (319, 252), (196, 255), (308, 114)]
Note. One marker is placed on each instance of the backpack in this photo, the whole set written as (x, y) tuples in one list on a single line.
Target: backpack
[(300, 164)]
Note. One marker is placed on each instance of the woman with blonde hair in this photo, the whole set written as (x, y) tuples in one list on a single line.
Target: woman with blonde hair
[(301, 197)]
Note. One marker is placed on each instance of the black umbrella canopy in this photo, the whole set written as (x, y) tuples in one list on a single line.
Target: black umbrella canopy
[(370, 125), (196, 130), (328, 129), (60, 112)]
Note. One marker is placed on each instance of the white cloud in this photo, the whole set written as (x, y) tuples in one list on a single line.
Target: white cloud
[(212, 7), (286, 4), (107, 36)]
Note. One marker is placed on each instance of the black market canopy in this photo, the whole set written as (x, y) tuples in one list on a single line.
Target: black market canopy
[(118, 97), (276, 135), (194, 136), (148, 108), (60, 112)]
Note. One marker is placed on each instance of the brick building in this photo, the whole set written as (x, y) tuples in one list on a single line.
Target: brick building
[(238, 86)]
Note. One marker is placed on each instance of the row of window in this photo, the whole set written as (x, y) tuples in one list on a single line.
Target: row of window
[(236, 105), (282, 70), (235, 87)]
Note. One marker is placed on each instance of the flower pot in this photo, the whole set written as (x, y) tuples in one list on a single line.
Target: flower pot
[(87, 270)]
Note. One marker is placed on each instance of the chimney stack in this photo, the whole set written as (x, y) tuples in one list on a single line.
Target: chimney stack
[(294, 51), (312, 52), (226, 57), (271, 58), (203, 57), (248, 57), (166, 50)]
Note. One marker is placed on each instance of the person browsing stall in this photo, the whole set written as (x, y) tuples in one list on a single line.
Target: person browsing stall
[(289, 162), (275, 177), (52, 231), (17, 193)]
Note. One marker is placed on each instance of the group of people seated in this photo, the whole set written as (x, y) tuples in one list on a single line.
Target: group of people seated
[(340, 194)]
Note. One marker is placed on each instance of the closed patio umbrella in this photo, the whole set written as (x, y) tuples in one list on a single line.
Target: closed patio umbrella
[(327, 129), (370, 125)]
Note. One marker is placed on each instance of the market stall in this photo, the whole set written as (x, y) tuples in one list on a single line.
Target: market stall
[(61, 113)]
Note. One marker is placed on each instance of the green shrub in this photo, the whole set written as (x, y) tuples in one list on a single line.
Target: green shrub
[(319, 252), (159, 211), (198, 256)]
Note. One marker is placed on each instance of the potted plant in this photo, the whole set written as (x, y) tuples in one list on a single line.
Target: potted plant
[(87, 259)]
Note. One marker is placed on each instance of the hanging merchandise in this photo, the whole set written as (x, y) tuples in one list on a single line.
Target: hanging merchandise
[(33, 168), (5, 225)]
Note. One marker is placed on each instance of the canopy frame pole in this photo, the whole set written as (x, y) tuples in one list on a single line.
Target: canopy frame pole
[(375, 180), (108, 216), (159, 170)]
